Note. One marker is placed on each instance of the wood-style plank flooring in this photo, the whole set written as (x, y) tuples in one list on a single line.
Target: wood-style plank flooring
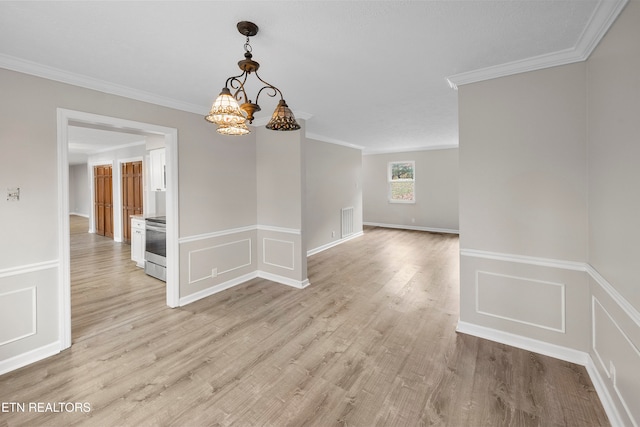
[(371, 342)]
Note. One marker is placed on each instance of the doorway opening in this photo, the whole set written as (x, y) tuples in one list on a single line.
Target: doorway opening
[(67, 118)]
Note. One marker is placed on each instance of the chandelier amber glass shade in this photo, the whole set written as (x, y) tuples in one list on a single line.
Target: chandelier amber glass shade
[(283, 118), (237, 129), (225, 110)]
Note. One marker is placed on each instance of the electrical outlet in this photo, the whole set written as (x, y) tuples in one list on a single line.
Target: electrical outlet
[(333, 234), (214, 272)]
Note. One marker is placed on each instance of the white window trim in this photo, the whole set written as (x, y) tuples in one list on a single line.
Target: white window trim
[(413, 165)]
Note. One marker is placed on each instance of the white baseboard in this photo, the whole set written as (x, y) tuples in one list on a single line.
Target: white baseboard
[(29, 357), (413, 227), (552, 350), (79, 214), (217, 288), (334, 243), (299, 284), (529, 344), (603, 393)]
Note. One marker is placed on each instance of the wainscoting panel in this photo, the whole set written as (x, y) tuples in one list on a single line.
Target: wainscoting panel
[(282, 257), (29, 312), (531, 302), (278, 253), (601, 328), (539, 299), (213, 262), (616, 355), (19, 311), (220, 259)]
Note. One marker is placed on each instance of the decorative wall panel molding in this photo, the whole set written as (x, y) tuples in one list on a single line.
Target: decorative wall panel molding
[(615, 295), (618, 357), (216, 234), (284, 230), (614, 359), (532, 302), (28, 268), (524, 259), (278, 253), (216, 260), (19, 309)]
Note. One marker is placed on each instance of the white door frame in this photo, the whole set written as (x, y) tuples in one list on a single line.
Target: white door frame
[(64, 117)]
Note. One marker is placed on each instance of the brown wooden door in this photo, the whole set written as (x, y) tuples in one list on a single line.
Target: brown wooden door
[(132, 195), (103, 203)]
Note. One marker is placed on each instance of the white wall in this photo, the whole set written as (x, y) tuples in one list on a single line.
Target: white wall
[(79, 192), (548, 209), (334, 182), (436, 187)]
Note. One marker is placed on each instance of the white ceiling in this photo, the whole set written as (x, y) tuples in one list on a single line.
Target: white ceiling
[(372, 74), (85, 141)]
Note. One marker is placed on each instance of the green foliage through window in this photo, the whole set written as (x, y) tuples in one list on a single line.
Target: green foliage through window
[(402, 182), (401, 171)]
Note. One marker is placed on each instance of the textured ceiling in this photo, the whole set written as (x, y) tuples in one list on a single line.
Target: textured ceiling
[(367, 73)]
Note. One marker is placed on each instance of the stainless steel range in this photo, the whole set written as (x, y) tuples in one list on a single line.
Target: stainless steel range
[(155, 255)]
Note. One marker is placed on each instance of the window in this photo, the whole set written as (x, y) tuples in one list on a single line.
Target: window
[(401, 177)]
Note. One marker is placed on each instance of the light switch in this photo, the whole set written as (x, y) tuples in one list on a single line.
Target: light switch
[(13, 194)]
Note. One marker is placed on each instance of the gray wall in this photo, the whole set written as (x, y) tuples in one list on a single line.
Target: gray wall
[(242, 206), (523, 194), (281, 186), (334, 182), (523, 164), (613, 109), (217, 187), (614, 155), (548, 209), (436, 206), (79, 194)]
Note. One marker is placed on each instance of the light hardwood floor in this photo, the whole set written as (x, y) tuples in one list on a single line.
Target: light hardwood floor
[(371, 342)]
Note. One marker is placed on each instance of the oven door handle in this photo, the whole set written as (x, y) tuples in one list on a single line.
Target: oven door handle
[(156, 228)]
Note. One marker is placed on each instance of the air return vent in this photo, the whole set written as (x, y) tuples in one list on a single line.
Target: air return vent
[(347, 222)]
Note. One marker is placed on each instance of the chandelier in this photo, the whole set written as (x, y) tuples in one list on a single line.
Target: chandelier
[(229, 115)]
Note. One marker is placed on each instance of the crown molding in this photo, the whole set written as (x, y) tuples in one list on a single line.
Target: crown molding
[(410, 149), (602, 18), (323, 138), (56, 74)]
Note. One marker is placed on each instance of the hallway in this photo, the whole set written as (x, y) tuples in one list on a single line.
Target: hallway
[(107, 289)]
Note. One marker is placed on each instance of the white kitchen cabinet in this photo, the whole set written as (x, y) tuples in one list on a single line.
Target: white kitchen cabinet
[(158, 169), (137, 240)]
